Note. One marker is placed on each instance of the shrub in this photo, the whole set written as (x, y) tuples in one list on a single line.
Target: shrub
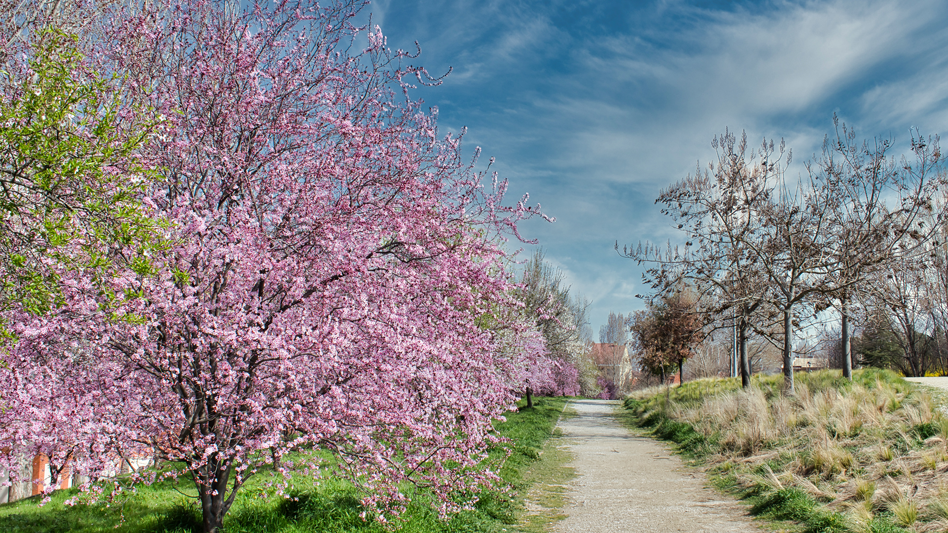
[(925, 430)]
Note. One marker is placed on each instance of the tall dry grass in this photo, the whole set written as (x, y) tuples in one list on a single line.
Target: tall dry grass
[(874, 445)]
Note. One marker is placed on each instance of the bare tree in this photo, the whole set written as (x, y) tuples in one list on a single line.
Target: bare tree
[(23, 21), (795, 260), (615, 330), (936, 276), (711, 359), (900, 293), (720, 209), (934, 262), (613, 347), (859, 182), (763, 249), (546, 297)]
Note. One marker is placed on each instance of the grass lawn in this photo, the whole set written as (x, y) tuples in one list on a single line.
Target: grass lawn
[(332, 506)]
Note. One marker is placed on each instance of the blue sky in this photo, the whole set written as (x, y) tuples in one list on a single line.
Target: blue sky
[(594, 106)]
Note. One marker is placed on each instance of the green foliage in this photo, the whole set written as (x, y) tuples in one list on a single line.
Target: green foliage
[(527, 430), (69, 175), (878, 347), (883, 524), (792, 504), (925, 430), (785, 504), (827, 522), (689, 441), (688, 394)]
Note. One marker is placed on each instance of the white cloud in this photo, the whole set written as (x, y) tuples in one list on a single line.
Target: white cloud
[(594, 123), (921, 99), (792, 58)]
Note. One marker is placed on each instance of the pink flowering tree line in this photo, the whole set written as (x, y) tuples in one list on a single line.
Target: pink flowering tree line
[(327, 261)]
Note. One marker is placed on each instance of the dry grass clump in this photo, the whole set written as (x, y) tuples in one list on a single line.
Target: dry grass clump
[(845, 418), (930, 460), (939, 506), (747, 416), (860, 515), (901, 502), (905, 511), (884, 453), (877, 444), (785, 413), (865, 489), (828, 458), (935, 512)]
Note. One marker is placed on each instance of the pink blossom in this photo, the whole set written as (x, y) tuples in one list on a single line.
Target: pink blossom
[(331, 268)]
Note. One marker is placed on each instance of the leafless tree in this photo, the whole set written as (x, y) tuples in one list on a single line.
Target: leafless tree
[(711, 359), (614, 341), (901, 294), (719, 208), (827, 347), (795, 259), (615, 330), (766, 249), (878, 209), (936, 275), (24, 20)]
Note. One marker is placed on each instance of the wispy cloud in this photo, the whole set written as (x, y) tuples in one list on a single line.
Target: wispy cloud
[(594, 106), (919, 100), (791, 59)]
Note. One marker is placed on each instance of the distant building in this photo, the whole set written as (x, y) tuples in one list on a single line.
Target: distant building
[(806, 364), (34, 476)]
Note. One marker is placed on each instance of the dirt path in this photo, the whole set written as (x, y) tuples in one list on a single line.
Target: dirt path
[(630, 483)]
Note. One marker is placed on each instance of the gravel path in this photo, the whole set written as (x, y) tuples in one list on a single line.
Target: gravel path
[(630, 483), (940, 382)]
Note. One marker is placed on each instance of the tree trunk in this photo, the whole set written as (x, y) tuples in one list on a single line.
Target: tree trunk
[(667, 389), (681, 373), (788, 353), (213, 496), (735, 371), (213, 518), (529, 398), (744, 362), (847, 345), (276, 458)]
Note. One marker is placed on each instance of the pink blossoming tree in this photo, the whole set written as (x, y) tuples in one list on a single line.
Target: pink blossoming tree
[(331, 256)]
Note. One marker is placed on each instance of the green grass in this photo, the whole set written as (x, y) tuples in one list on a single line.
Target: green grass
[(794, 505), (333, 506), (545, 486)]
